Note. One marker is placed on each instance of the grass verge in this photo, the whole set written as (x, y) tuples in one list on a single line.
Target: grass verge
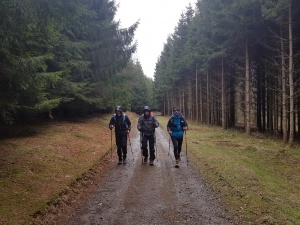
[(41, 166), (258, 178)]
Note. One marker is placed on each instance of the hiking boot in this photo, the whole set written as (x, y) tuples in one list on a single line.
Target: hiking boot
[(151, 162), (124, 161), (120, 162), (177, 164), (145, 159)]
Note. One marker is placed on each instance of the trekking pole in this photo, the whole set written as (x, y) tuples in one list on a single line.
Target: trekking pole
[(110, 145), (187, 161), (169, 145), (155, 146), (141, 139), (130, 146)]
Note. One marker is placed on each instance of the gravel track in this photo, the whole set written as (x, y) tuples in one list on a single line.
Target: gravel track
[(138, 193)]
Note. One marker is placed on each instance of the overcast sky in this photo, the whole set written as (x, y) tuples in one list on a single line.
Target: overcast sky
[(158, 19)]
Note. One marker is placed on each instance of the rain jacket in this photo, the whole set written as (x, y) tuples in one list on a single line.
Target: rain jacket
[(176, 124), (121, 123), (147, 125)]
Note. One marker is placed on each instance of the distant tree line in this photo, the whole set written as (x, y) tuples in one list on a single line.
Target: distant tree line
[(235, 61), (66, 57)]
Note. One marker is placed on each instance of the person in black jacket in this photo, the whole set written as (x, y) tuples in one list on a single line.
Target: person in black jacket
[(122, 126), (146, 125)]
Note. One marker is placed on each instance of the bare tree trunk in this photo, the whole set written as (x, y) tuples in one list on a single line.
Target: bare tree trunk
[(183, 102), (168, 103), (277, 105), (270, 108), (224, 100), (197, 103), (207, 98), (284, 94), (201, 102), (291, 79), (189, 99), (174, 97), (180, 98), (165, 106), (247, 90)]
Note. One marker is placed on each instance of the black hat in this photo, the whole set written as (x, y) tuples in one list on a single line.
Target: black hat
[(176, 108), (118, 108), (146, 108)]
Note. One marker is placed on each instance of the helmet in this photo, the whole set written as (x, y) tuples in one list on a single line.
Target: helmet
[(146, 108), (118, 108), (176, 108)]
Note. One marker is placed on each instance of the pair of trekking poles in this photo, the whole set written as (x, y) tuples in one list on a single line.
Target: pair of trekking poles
[(130, 146), (186, 148), (112, 147)]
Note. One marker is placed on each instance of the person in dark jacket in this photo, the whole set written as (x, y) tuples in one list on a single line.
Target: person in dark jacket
[(122, 125), (146, 125), (176, 127)]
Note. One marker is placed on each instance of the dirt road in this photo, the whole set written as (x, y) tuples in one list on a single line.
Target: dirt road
[(138, 193)]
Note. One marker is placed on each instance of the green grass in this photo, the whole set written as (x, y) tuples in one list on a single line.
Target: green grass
[(258, 178)]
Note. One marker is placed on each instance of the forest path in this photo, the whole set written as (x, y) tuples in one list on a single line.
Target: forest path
[(138, 193)]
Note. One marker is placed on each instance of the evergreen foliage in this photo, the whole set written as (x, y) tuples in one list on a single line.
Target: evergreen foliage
[(231, 48), (59, 54)]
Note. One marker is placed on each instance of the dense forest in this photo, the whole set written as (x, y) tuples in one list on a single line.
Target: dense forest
[(61, 58), (235, 62), (228, 62)]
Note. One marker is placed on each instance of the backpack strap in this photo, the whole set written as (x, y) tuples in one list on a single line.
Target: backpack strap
[(123, 116)]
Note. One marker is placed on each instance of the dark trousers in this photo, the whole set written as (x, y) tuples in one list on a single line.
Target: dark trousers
[(121, 141), (145, 140), (177, 143)]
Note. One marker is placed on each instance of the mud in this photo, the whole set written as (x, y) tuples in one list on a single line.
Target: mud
[(138, 193)]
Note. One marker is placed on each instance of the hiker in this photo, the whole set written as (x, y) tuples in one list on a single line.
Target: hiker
[(176, 126), (146, 125), (122, 126)]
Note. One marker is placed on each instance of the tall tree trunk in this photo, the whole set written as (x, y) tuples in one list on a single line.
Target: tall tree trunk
[(291, 79), (207, 98), (270, 108), (263, 102), (165, 106), (190, 99), (232, 105), (183, 102), (223, 100), (284, 94), (168, 103), (201, 101), (247, 90), (259, 98), (197, 103)]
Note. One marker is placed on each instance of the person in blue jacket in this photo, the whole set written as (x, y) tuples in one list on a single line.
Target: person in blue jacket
[(176, 127)]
